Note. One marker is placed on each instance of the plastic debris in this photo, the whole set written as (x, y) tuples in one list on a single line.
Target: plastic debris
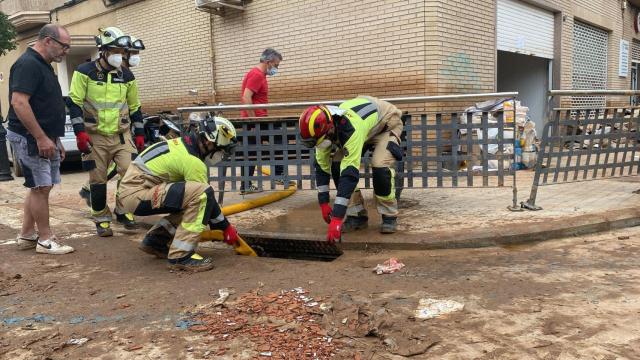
[(433, 308), (390, 266), (77, 341), (265, 353), (223, 295)]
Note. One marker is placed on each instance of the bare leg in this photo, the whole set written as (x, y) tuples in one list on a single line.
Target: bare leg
[(28, 222), (39, 206)]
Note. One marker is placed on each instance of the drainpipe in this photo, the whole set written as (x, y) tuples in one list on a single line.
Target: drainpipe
[(213, 61)]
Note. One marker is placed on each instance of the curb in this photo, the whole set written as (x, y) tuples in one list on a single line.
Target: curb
[(515, 234)]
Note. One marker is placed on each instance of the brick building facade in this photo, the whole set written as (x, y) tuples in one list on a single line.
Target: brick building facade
[(332, 49)]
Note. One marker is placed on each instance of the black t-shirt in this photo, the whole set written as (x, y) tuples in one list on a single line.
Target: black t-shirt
[(32, 75)]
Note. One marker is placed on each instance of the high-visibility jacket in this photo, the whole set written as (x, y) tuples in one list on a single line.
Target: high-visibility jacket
[(358, 122), (104, 102), (173, 160)]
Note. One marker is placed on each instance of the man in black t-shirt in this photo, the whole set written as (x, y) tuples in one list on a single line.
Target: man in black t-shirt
[(36, 123)]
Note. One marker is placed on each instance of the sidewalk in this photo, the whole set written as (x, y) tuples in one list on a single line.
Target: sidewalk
[(429, 219), (464, 217)]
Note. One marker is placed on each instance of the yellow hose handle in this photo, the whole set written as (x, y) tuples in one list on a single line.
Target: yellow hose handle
[(241, 247)]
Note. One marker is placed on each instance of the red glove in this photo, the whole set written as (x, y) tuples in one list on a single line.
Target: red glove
[(230, 235), (84, 142), (335, 230), (326, 212), (140, 143)]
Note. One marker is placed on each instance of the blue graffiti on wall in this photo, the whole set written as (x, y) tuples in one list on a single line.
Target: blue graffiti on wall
[(459, 70)]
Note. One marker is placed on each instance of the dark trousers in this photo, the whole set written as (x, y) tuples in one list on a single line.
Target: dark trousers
[(252, 140)]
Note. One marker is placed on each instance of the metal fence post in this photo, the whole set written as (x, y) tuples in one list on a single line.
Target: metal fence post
[(516, 139)]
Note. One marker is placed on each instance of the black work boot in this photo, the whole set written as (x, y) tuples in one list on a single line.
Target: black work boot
[(104, 229), (353, 223), (156, 243), (389, 224), (191, 262), (86, 195), (127, 221)]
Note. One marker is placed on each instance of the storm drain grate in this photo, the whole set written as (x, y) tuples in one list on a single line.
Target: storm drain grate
[(293, 248)]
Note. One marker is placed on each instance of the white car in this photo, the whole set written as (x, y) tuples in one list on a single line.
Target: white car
[(68, 141)]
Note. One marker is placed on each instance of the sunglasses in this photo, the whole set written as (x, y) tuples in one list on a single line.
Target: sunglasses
[(64, 46)]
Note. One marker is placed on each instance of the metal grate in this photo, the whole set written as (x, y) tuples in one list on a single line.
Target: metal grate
[(435, 154), (579, 148), (589, 64)]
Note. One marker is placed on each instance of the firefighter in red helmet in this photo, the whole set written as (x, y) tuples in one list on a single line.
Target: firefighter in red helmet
[(363, 121)]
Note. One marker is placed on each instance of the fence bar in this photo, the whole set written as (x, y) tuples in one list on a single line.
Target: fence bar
[(591, 143), (396, 100)]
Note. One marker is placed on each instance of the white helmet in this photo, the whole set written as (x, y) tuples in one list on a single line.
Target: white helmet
[(219, 131)]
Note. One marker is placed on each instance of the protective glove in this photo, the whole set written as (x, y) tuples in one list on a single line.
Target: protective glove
[(230, 235), (139, 142), (84, 142), (326, 212), (335, 230)]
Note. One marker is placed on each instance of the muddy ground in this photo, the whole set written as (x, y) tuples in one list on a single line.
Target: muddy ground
[(566, 299), (575, 298)]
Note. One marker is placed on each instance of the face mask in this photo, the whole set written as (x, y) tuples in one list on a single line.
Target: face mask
[(115, 60), (134, 60), (272, 71), (324, 144)]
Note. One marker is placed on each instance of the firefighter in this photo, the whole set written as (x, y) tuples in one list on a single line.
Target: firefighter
[(349, 129), (104, 105), (170, 177), (131, 59)]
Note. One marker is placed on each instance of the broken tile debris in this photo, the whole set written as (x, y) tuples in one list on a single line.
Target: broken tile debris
[(281, 325)]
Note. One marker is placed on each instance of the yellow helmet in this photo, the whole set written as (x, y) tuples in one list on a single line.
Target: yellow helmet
[(137, 44), (112, 37)]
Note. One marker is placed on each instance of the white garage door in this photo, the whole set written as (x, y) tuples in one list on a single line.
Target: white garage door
[(525, 29)]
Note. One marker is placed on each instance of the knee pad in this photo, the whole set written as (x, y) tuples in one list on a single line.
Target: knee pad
[(212, 207), (88, 165), (174, 198), (382, 181), (98, 196)]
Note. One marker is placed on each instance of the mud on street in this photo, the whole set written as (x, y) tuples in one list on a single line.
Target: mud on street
[(575, 298)]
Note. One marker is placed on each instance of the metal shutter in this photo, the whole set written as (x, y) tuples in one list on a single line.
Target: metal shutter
[(589, 63), (635, 50), (525, 29)]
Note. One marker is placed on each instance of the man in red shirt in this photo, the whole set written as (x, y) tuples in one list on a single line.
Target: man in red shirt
[(255, 90)]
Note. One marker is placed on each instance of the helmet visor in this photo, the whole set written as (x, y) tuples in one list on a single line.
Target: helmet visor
[(123, 41), (137, 45)]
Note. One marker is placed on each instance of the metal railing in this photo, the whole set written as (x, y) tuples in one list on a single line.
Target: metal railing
[(586, 144), (444, 149)]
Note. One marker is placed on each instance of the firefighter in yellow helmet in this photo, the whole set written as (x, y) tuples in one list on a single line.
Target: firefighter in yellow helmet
[(103, 104), (131, 59), (170, 177)]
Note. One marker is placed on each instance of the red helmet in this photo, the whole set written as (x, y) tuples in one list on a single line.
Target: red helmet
[(315, 122)]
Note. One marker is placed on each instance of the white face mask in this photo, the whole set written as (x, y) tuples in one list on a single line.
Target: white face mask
[(134, 60), (324, 144), (115, 60)]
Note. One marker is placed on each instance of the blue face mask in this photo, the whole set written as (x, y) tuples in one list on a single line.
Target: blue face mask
[(272, 71)]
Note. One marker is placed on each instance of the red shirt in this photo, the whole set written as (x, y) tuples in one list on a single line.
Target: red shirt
[(256, 81)]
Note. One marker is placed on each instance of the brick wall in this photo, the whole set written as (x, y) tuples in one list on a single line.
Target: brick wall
[(178, 54), (331, 49)]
